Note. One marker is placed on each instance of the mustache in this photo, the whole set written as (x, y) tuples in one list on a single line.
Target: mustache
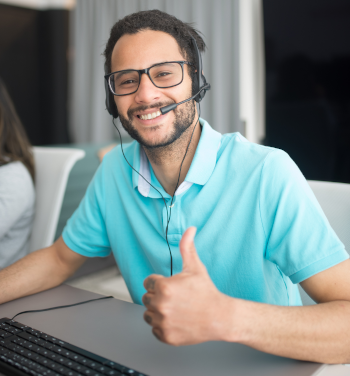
[(132, 111)]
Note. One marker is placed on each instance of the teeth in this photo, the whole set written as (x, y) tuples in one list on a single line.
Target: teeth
[(150, 116)]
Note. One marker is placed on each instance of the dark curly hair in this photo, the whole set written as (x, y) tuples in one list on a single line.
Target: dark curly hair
[(157, 21)]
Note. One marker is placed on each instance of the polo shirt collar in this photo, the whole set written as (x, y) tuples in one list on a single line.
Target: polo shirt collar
[(202, 165)]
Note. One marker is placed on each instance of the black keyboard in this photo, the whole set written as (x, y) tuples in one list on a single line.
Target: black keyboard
[(26, 351)]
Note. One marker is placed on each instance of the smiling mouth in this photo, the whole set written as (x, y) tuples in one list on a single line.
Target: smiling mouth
[(153, 115)]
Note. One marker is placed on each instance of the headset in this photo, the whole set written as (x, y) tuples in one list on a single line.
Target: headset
[(199, 87)]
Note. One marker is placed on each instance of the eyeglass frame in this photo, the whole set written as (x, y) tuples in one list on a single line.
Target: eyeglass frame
[(146, 71)]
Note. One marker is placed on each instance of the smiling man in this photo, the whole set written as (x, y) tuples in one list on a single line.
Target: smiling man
[(258, 228)]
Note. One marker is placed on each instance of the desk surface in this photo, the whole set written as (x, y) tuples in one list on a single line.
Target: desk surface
[(115, 330)]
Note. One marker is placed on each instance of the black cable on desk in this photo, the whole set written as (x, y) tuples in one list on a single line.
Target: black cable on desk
[(65, 306)]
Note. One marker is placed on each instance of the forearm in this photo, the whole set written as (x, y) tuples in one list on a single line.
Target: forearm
[(38, 271), (319, 333)]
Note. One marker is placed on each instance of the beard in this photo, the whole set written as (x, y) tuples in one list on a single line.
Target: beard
[(184, 117)]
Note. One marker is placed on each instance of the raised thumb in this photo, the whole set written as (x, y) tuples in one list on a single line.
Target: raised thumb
[(190, 259)]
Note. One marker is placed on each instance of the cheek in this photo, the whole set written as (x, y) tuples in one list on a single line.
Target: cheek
[(122, 104)]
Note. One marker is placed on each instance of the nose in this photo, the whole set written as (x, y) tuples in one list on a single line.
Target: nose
[(147, 92)]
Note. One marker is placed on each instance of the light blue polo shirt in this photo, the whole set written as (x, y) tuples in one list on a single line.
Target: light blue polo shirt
[(260, 229)]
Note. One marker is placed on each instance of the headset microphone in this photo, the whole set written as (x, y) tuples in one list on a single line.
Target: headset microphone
[(164, 110)]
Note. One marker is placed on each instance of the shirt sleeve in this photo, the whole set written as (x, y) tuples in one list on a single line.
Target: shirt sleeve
[(299, 237), (16, 194), (85, 232)]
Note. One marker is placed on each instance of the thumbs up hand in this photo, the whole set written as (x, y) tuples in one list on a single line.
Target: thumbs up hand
[(186, 308)]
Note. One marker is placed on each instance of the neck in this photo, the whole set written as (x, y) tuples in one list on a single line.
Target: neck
[(166, 161)]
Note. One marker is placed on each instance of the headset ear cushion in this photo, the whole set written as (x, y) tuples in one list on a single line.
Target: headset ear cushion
[(195, 86), (113, 108), (199, 80)]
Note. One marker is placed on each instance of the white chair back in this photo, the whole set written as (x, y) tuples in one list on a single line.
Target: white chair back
[(334, 199), (53, 166)]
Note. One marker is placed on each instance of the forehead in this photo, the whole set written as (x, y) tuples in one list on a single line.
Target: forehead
[(143, 49)]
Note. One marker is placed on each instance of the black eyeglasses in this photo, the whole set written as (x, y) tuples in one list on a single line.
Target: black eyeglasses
[(162, 75)]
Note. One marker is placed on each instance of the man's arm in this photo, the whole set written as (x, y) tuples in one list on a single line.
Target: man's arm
[(187, 309), (38, 271), (319, 333)]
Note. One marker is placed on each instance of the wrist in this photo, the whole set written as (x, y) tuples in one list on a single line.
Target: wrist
[(233, 325)]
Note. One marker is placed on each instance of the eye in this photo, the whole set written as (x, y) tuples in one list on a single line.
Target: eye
[(128, 82), (163, 74)]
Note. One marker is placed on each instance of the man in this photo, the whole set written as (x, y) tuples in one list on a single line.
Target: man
[(259, 228)]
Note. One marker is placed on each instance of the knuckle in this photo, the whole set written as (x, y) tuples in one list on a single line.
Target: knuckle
[(147, 318), (163, 310), (158, 333), (146, 299), (165, 289), (168, 337)]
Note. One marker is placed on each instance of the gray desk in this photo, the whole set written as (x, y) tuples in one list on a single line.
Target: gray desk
[(115, 329)]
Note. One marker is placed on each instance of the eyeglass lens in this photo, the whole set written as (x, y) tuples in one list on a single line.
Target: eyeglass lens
[(162, 75)]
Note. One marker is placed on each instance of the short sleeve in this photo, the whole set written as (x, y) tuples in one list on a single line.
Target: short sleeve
[(300, 240), (85, 232)]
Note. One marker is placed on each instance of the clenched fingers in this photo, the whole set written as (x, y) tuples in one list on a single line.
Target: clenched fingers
[(151, 281)]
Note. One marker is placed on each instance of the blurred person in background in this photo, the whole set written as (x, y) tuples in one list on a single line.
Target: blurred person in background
[(17, 194)]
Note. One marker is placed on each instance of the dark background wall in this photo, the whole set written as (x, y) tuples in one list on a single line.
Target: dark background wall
[(308, 84), (34, 67)]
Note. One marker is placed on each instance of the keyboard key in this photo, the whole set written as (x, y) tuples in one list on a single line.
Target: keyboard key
[(68, 363), (65, 353), (52, 365), (88, 372), (84, 361), (4, 334), (5, 326), (72, 373), (113, 372), (18, 325), (63, 370), (48, 373), (28, 346), (85, 353), (44, 361), (40, 342), (55, 348), (117, 366), (93, 365), (34, 332), (112, 364), (76, 357), (101, 369), (3, 350), (52, 339), (78, 367), (26, 336), (19, 341), (10, 346), (53, 356)]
